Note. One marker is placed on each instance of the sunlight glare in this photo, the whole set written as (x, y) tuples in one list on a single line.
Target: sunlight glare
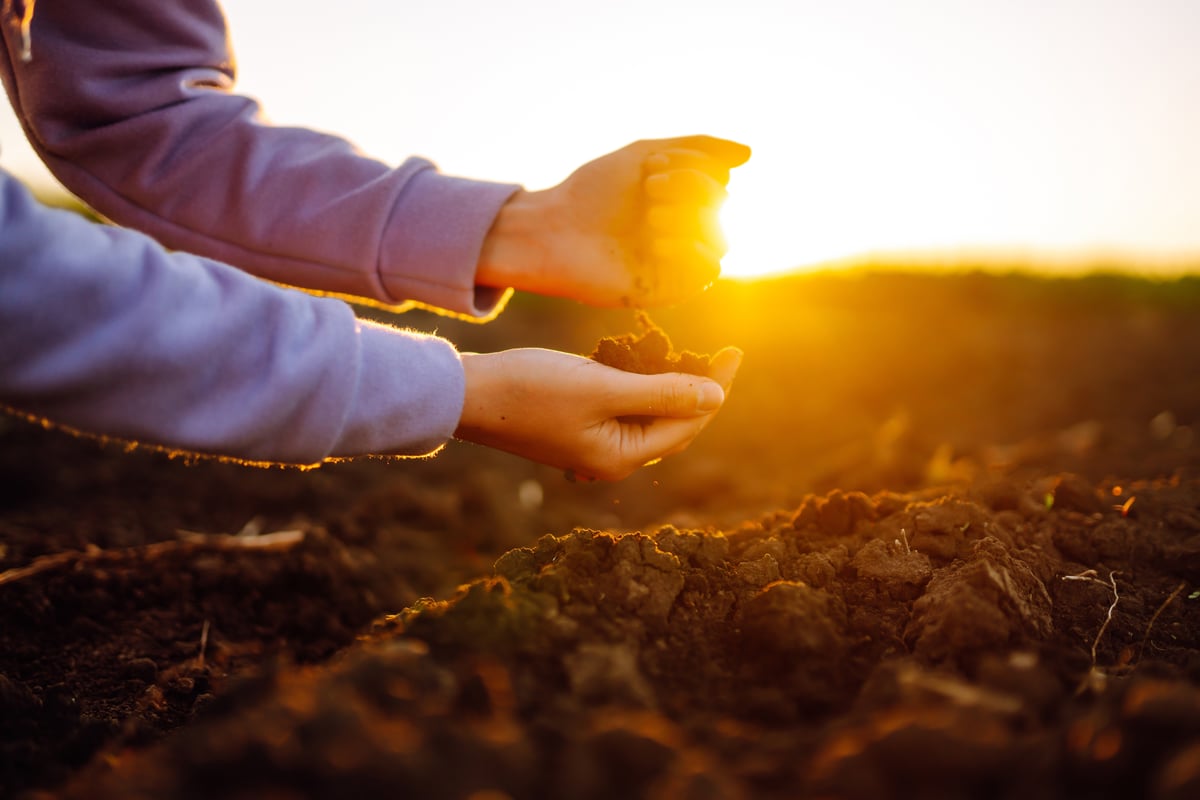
[(771, 229)]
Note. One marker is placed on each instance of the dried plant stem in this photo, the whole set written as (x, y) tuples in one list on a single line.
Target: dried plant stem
[(39, 564), (1090, 576), (203, 643), (1146, 637), (280, 540)]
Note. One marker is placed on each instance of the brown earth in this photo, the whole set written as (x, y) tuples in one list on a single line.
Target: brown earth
[(942, 541), (649, 352)]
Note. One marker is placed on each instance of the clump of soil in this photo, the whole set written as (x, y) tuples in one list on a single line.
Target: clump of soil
[(648, 353)]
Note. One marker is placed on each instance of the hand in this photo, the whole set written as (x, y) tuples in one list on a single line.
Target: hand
[(575, 414), (637, 227)]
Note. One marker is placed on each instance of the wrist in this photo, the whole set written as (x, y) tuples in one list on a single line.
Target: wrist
[(514, 252), (471, 410), (483, 396)]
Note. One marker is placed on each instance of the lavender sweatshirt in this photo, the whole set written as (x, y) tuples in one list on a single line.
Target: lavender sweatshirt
[(130, 104)]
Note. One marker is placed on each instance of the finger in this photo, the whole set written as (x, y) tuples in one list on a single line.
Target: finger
[(683, 251), (646, 443), (573, 475), (676, 281), (687, 222), (724, 150), (722, 369), (685, 260), (684, 186), (668, 160), (724, 366), (638, 444), (664, 437), (671, 394)]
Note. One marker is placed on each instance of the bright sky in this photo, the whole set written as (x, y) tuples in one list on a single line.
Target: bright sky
[(1041, 126)]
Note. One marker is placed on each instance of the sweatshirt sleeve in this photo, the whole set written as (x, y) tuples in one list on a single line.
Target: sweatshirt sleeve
[(104, 331), (131, 105)]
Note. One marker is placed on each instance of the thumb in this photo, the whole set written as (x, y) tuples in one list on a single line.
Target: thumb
[(729, 152), (724, 366), (670, 394)]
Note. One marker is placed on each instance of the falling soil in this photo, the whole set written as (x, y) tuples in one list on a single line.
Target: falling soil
[(902, 563)]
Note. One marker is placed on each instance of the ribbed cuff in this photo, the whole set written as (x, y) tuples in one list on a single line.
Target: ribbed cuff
[(409, 397), (433, 241)]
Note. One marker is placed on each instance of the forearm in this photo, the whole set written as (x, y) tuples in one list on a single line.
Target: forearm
[(131, 106), (104, 331)]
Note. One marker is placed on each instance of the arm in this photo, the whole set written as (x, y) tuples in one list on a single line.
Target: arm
[(131, 105), (102, 330)]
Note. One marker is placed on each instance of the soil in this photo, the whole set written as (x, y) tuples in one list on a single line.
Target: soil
[(649, 352), (942, 541)]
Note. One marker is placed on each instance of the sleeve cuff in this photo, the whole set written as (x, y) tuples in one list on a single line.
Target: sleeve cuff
[(409, 397), (433, 240)]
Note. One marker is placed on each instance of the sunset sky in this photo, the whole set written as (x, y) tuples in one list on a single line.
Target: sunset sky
[(1044, 128)]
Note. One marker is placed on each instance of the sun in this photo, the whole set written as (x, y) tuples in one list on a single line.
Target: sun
[(770, 228)]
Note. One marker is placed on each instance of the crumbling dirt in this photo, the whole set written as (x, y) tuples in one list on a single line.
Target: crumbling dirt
[(901, 564), (648, 353)]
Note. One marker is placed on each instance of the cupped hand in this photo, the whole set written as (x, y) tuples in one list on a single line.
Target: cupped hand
[(576, 414), (637, 227)]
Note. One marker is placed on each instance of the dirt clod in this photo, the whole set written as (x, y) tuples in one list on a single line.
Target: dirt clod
[(648, 352)]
